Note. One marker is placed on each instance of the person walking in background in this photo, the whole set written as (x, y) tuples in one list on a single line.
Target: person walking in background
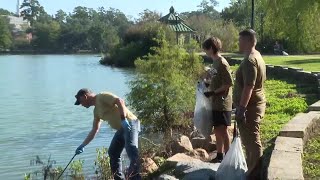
[(221, 95), (250, 101), (112, 109)]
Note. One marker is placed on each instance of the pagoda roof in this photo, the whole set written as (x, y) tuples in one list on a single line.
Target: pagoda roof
[(175, 23)]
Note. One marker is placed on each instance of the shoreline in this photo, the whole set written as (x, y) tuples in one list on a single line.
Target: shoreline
[(33, 52)]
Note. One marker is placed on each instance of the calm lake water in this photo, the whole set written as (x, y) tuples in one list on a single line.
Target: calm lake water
[(37, 115)]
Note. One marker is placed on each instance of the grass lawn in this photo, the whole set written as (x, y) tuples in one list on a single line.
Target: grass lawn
[(307, 62), (283, 103), (311, 158)]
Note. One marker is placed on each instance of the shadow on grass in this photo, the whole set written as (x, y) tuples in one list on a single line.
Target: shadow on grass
[(304, 61)]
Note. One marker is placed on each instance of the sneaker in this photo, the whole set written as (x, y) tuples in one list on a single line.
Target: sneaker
[(216, 160)]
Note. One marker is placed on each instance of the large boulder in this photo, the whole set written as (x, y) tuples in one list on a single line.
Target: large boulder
[(199, 154), (182, 166), (166, 177), (148, 166), (203, 143), (181, 144)]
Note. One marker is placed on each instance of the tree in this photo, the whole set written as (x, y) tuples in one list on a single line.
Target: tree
[(31, 9), (44, 17), (74, 32), (60, 16), (103, 38), (228, 33), (296, 26), (164, 88), (238, 12), (118, 20), (208, 8), (138, 42), (80, 12), (202, 24), (46, 36), (5, 34), (148, 16), (5, 12)]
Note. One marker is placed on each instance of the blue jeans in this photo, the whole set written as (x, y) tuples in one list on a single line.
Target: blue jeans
[(127, 139)]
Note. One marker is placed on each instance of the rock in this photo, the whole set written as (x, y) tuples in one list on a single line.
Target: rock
[(303, 125), (182, 144), (315, 106), (203, 143), (180, 157), (166, 177), (185, 167), (203, 154), (148, 166), (213, 139), (288, 144), (200, 154), (195, 134), (279, 167)]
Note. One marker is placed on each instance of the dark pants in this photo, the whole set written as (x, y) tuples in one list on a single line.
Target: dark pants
[(127, 139)]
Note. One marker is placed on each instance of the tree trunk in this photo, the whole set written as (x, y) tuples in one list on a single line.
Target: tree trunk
[(167, 127)]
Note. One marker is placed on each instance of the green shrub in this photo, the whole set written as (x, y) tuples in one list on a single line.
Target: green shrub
[(125, 56), (164, 87), (102, 164), (137, 42), (76, 169)]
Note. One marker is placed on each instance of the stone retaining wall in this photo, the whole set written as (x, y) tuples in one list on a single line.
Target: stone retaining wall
[(286, 158), (308, 79)]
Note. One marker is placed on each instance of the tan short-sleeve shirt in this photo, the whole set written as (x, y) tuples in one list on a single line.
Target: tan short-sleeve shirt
[(222, 76), (251, 72), (105, 109)]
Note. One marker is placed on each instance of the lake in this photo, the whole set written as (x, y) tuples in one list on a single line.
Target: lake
[(37, 114)]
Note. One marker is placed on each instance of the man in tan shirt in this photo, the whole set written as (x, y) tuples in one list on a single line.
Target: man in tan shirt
[(250, 101), (110, 108)]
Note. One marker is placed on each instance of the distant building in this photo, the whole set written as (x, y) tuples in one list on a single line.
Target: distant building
[(19, 25), (177, 24)]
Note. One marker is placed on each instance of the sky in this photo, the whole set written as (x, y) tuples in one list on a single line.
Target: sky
[(130, 7)]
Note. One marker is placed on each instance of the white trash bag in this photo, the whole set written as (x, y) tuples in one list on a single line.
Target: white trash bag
[(203, 111), (233, 166)]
